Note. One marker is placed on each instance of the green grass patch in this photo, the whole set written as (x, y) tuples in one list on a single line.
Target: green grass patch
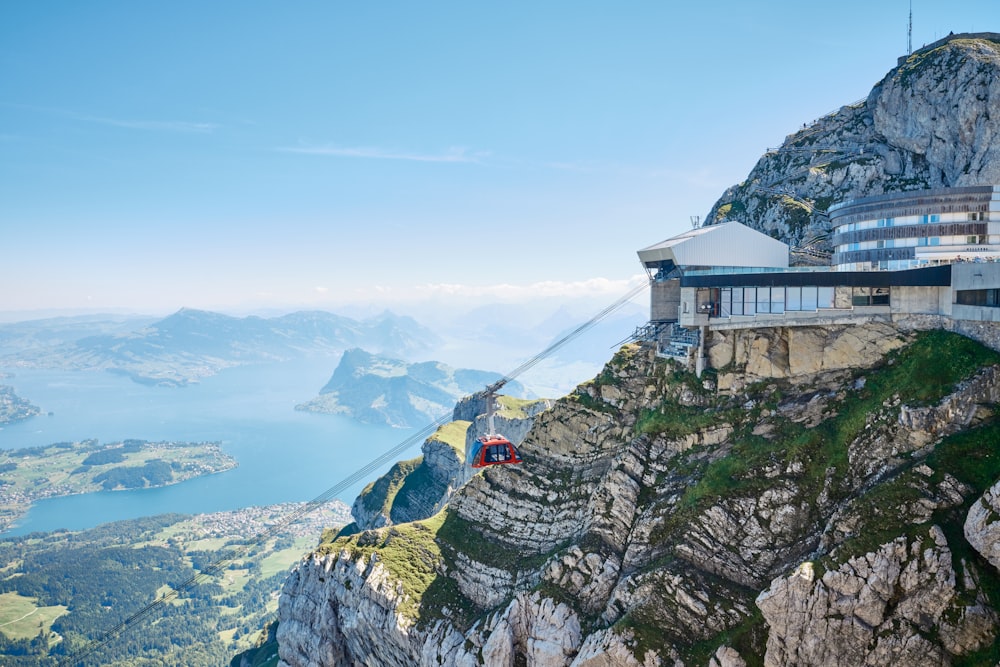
[(233, 579), (408, 551), (282, 560), (512, 407), (22, 618), (453, 434), (883, 519), (920, 373), (647, 634), (673, 420), (379, 495), (467, 537), (972, 457), (926, 370), (749, 638)]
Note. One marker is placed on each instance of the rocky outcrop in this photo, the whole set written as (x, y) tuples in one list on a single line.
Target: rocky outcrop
[(933, 121), (420, 488), (982, 525), (879, 609), (792, 352), (661, 520)]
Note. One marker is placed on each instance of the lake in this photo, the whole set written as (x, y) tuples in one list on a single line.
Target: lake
[(284, 455)]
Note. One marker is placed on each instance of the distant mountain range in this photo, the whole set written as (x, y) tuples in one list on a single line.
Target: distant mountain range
[(191, 344), (376, 389)]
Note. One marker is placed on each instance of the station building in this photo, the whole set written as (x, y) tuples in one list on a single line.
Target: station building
[(906, 230), (729, 276)]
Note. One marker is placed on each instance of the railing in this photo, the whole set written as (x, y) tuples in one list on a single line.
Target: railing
[(671, 339)]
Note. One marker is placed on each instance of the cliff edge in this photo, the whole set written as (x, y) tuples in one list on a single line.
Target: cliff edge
[(817, 514), (932, 121)]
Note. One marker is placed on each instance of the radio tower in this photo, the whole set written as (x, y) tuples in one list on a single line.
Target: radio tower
[(909, 32)]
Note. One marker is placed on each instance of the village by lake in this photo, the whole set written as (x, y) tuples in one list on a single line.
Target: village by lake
[(282, 455)]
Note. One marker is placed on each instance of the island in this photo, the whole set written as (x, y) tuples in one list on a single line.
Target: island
[(14, 408), (67, 468)]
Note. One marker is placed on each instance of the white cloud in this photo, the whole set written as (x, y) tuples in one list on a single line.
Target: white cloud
[(128, 123), (454, 154), (156, 125)]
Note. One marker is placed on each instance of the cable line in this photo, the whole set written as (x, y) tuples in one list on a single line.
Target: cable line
[(358, 475)]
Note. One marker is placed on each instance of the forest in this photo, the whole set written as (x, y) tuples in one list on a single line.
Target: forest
[(68, 592)]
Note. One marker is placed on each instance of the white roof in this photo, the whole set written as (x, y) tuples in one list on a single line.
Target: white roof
[(728, 244)]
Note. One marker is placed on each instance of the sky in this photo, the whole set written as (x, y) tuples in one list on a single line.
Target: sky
[(246, 156)]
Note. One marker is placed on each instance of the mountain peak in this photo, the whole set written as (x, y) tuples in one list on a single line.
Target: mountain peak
[(931, 122)]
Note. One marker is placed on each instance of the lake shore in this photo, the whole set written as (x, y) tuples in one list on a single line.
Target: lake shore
[(73, 468)]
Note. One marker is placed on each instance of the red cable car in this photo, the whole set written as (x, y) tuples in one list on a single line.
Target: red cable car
[(492, 450)]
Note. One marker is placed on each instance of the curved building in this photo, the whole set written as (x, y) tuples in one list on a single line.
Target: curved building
[(905, 230)]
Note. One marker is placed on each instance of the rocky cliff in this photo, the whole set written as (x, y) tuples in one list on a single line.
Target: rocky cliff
[(419, 488), (933, 121), (801, 505)]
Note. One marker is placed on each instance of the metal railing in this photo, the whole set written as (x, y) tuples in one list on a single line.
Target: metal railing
[(671, 339)]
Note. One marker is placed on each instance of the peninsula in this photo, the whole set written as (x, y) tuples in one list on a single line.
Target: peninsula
[(67, 468)]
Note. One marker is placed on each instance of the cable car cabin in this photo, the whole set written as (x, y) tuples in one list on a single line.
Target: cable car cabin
[(493, 450)]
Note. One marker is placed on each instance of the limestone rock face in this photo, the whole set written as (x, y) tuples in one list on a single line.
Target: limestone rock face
[(982, 528), (947, 120), (333, 607), (791, 352), (877, 608), (414, 490), (933, 121), (433, 478), (664, 519)]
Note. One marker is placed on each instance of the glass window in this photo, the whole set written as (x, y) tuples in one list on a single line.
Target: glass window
[(793, 298), (824, 297), (725, 301), (809, 298), (749, 301), (777, 299), (934, 240), (737, 301), (763, 299)]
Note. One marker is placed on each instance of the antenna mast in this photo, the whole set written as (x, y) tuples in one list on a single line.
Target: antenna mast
[(909, 32)]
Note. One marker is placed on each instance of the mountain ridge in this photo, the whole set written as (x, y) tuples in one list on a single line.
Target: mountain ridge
[(191, 344), (932, 121), (377, 389)]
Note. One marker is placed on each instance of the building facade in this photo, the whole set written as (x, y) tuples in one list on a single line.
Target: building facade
[(690, 297), (906, 230)]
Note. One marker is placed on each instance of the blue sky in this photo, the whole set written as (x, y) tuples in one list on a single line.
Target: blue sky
[(245, 155)]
